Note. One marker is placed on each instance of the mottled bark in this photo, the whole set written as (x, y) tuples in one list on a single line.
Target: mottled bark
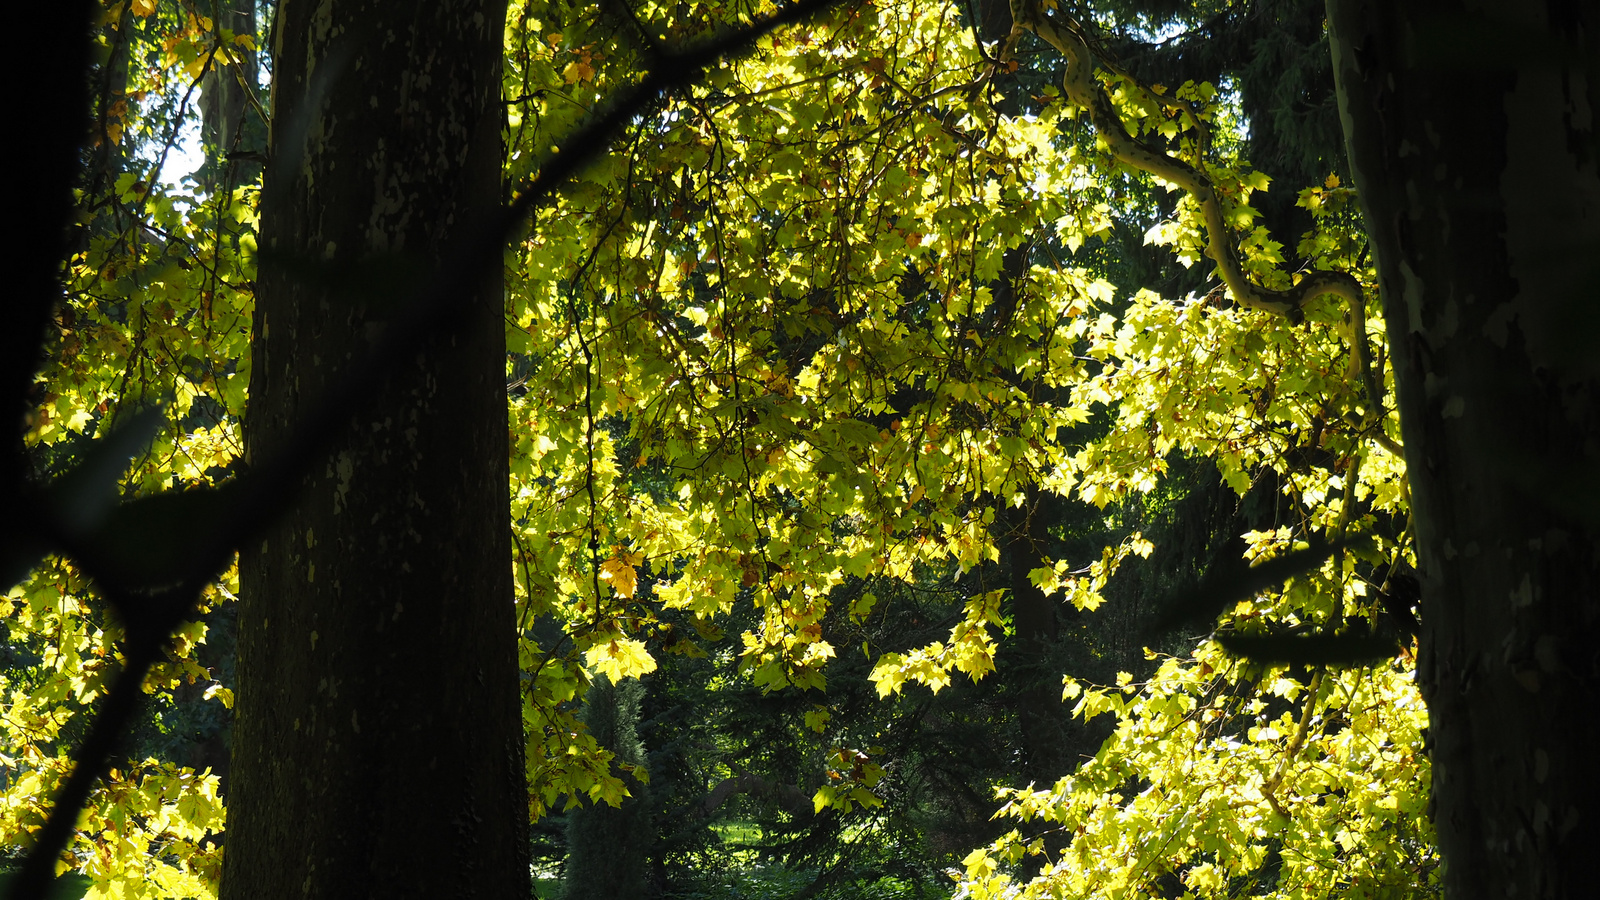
[(378, 742), (1472, 141)]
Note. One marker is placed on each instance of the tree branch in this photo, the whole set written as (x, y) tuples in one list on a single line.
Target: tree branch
[(1086, 92)]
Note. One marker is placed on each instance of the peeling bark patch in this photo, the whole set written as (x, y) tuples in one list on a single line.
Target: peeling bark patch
[(1522, 596), (1414, 291), (345, 468), (1497, 326)]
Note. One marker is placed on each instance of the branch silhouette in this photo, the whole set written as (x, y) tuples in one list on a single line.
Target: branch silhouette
[(154, 585)]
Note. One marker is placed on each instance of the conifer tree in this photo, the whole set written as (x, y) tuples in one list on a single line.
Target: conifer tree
[(608, 847)]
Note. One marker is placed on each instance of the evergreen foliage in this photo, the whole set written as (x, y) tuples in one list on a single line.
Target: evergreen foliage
[(608, 847)]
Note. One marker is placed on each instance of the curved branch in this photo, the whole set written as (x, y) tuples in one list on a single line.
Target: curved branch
[(1084, 91), (791, 798), (1269, 790)]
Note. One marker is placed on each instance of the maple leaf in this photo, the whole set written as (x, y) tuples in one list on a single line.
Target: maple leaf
[(578, 70), (620, 572), (620, 658)]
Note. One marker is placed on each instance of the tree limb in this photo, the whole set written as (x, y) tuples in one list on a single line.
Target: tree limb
[(1085, 92)]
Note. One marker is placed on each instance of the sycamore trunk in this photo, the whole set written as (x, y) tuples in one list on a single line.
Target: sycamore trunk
[(1472, 141), (378, 743)]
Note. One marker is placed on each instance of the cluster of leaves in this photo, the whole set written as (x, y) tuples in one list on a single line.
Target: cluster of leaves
[(784, 347), (150, 831), (1215, 785), (157, 314), (735, 772), (774, 361), (781, 358)]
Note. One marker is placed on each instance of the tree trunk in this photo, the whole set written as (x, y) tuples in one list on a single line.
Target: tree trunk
[(223, 96), (1045, 722), (378, 747), (1472, 141), (227, 124)]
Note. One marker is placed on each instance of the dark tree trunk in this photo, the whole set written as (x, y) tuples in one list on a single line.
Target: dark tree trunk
[(378, 741), (1472, 142), (1022, 533)]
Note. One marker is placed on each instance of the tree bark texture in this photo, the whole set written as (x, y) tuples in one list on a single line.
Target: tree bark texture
[(378, 746), (1471, 131)]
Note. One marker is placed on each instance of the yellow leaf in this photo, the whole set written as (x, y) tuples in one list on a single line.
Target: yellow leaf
[(221, 693), (822, 799), (1070, 689), (576, 71), (142, 8), (620, 571), (620, 658)]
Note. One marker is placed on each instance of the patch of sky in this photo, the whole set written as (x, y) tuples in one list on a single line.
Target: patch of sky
[(182, 153), (1152, 31), (180, 158)]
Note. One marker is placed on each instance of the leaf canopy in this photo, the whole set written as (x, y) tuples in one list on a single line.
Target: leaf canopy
[(795, 342)]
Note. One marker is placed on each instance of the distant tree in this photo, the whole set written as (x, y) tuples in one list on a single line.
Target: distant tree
[(608, 847)]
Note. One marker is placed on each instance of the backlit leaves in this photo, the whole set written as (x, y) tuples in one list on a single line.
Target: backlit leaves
[(790, 345), (620, 658)]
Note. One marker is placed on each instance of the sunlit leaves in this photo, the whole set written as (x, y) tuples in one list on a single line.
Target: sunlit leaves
[(767, 340), (150, 829), (780, 351), (619, 571), (620, 658), (851, 776), (801, 333), (1186, 787), (156, 313), (970, 650)]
